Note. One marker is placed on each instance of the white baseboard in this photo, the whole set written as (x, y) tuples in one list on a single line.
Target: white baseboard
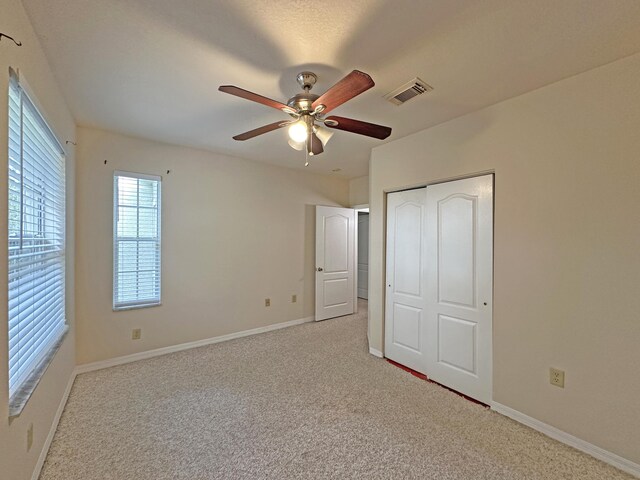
[(112, 362), (54, 427), (586, 447), (375, 353)]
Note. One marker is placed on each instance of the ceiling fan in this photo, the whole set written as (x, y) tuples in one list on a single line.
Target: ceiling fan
[(308, 111)]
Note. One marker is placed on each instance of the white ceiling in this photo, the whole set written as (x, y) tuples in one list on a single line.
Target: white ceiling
[(151, 68)]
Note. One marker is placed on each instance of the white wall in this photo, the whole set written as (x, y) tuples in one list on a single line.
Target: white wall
[(359, 191), (567, 256), (234, 233), (15, 462)]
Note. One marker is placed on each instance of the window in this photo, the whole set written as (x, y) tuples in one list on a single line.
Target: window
[(36, 283), (136, 242)]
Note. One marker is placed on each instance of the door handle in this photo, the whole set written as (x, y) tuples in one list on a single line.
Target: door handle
[(319, 269)]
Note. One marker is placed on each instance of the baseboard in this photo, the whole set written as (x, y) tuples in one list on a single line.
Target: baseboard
[(54, 426), (112, 362), (575, 442), (375, 353)]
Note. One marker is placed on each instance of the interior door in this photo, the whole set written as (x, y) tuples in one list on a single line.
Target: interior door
[(406, 278), (363, 255), (335, 262), (459, 264)]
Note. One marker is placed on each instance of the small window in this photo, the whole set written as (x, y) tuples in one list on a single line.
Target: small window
[(36, 229), (136, 240)]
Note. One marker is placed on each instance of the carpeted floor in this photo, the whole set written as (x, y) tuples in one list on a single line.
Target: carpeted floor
[(305, 402)]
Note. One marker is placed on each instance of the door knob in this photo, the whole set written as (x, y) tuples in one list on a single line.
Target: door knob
[(319, 269)]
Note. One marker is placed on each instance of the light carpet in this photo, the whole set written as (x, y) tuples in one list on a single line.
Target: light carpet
[(305, 402)]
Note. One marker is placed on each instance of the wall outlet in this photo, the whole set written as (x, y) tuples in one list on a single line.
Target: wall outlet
[(267, 302), (29, 437), (136, 334), (294, 298), (556, 377)]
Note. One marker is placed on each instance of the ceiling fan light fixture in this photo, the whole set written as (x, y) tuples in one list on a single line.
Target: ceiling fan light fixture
[(296, 145), (298, 131), (324, 134)]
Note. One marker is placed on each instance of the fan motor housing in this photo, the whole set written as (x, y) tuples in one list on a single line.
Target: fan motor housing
[(302, 102)]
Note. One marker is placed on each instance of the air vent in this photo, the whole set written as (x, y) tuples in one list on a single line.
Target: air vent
[(408, 91)]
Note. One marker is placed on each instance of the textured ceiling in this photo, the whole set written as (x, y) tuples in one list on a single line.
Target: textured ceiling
[(151, 68)]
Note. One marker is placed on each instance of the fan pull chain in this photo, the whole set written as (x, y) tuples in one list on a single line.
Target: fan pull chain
[(306, 151)]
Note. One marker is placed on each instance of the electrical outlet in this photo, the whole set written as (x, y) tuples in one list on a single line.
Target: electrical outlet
[(136, 334), (294, 298), (29, 437), (556, 377), (267, 302)]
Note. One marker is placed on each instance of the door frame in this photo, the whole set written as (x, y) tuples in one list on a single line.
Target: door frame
[(384, 251)]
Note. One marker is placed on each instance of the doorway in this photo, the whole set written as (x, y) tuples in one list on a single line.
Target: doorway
[(363, 255)]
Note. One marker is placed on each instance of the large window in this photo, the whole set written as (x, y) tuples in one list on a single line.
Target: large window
[(36, 241), (136, 232)]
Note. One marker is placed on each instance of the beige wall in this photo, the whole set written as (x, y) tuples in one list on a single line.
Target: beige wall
[(15, 462), (234, 233), (359, 191), (567, 256)]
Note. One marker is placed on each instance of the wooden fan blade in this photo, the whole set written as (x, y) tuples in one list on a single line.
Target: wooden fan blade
[(356, 126), (260, 130), (254, 97), (350, 86), (314, 145)]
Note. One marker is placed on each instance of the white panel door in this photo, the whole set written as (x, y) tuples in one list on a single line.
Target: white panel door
[(459, 264), (406, 278), (363, 255), (335, 262)]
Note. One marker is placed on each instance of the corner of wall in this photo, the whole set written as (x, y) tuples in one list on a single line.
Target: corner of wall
[(359, 191)]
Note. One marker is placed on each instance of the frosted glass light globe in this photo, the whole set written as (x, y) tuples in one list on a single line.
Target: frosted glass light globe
[(298, 131)]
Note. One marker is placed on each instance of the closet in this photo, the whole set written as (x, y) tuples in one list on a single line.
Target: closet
[(439, 283)]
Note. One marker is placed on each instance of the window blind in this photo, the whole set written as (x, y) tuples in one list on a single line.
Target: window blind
[(136, 262), (36, 228)]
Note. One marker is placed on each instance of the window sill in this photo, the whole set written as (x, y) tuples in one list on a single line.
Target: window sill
[(19, 399), (135, 307)]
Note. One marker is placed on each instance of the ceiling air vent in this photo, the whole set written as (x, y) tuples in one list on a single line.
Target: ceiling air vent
[(408, 91)]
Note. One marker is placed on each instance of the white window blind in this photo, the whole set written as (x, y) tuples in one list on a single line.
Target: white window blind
[(36, 283), (136, 231)]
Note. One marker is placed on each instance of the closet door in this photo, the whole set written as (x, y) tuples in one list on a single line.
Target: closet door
[(405, 287), (457, 339)]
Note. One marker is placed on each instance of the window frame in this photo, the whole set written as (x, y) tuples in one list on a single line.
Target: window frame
[(146, 303), (52, 210)]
